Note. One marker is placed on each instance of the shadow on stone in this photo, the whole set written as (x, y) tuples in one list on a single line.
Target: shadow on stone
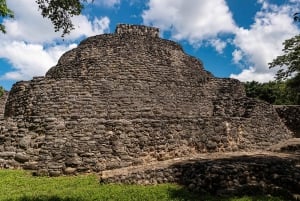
[(243, 175), (290, 116), (187, 195)]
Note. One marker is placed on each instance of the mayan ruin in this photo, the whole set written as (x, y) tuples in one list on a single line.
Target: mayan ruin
[(127, 99)]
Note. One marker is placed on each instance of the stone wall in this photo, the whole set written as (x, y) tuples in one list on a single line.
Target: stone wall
[(3, 99), (137, 30), (125, 99), (291, 117), (235, 175)]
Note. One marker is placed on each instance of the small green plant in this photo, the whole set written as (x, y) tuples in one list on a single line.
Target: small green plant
[(1, 91)]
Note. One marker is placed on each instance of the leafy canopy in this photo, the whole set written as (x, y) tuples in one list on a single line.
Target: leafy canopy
[(273, 92), (59, 12), (4, 12), (289, 63)]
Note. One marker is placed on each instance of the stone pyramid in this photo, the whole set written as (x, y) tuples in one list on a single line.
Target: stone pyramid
[(125, 99)]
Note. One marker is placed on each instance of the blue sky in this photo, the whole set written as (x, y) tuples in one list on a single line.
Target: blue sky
[(233, 38)]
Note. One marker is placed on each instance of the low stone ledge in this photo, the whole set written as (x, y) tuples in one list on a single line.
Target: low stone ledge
[(234, 174), (288, 146)]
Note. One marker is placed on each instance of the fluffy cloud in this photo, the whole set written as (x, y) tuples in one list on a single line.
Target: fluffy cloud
[(28, 24), (84, 27), (218, 44), (30, 59), (252, 74), (262, 42), (237, 55), (199, 21), (191, 20), (31, 46)]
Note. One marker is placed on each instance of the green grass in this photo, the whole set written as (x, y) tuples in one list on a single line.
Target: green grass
[(17, 185)]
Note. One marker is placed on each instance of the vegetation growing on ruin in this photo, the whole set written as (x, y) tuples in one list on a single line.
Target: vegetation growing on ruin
[(1, 91), (17, 185)]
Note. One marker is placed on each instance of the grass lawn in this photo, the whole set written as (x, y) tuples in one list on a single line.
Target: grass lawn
[(17, 185)]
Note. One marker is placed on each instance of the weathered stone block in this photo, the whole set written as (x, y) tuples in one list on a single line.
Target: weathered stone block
[(21, 157), (7, 154)]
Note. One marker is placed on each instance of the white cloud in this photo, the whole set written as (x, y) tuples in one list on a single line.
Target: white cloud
[(28, 24), (218, 44), (31, 46), (251, 74), (84, 27), (191, 20), (237, 56), (198, 21), (30, 59), (262, 42)]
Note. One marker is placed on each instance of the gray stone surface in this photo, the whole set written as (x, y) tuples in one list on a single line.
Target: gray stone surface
[(290, 114), (125, 99), (220, 174), (3, 99)]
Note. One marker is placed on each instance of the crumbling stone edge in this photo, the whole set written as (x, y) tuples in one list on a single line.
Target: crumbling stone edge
[(240, 174)]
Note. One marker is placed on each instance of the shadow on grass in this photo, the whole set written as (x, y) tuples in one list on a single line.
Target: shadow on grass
[(47, 198), (184, 194), (181, 194)]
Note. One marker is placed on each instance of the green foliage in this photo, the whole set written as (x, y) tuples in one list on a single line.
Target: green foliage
[(289, 64), (17, 185), (1, 91), (273, 92), (4, 12), (60, 12)]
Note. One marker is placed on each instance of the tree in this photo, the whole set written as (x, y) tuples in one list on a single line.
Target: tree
[(289, 63), (59, 12), (4, 12), (273, 92)]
